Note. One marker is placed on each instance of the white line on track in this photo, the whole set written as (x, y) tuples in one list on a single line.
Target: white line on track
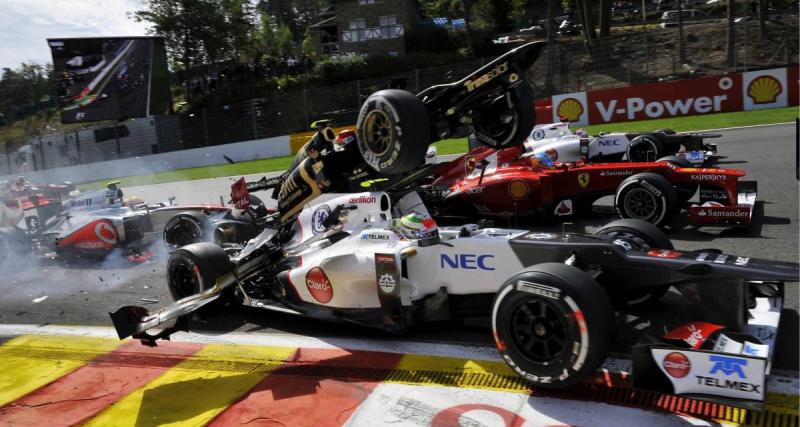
[(779, 382)]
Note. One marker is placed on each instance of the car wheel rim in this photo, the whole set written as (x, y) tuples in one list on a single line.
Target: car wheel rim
[(378, 132), (539, 331), (185, 233), (639, 152), (183, 279), (640, 204)]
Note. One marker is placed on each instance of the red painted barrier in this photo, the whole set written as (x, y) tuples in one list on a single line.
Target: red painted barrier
[(753, 90)]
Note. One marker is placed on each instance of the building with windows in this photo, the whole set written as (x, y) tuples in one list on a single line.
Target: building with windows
[(366, 27)]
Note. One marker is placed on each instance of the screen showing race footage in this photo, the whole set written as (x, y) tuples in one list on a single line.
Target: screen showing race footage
[(110, 78)]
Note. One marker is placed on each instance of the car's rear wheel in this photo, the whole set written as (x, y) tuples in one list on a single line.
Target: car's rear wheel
[(551, 324), (195, 268), (393, 131), (186, 228), (643, 236), (645, 148), (646, 196)]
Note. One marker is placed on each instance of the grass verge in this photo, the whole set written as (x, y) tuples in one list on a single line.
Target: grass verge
[(459, 145)]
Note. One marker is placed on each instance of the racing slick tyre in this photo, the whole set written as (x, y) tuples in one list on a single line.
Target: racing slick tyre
[(393, 131), (645, 148), (667, 131), (186, 228), (194, 268), (644, 236), (685, 191), (647, 196), (551, 324)]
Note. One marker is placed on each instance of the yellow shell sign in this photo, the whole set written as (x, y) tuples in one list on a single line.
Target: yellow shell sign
[(570, 109), (764, 90), (518, 189)]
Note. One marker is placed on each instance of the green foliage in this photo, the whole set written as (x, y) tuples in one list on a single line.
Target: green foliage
[(343, 68), (308, 47), (25, 90)]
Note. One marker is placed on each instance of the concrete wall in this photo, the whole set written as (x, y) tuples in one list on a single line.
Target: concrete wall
[(206, 156)]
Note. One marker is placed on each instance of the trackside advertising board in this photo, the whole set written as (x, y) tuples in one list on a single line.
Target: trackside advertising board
[(753, 90)]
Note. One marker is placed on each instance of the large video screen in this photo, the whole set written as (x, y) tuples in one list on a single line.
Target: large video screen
[(110, 78)]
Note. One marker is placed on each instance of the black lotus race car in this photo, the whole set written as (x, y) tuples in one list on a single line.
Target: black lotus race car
[(376, 258)]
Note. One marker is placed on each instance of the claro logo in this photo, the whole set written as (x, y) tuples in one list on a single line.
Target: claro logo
[(677, 365)]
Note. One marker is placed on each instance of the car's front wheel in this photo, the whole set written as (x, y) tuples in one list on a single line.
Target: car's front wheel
[(551, 324), (195, 268), (644, 236), (647, 196)]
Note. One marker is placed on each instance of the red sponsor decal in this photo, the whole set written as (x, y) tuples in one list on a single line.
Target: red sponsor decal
[(319, 286), (664, 253), (363, 199), (239, 194), (677, 365), (384, 258), (694, 333)]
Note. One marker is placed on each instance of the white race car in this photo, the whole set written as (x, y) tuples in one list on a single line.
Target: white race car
[(614, 147), (550, 296)]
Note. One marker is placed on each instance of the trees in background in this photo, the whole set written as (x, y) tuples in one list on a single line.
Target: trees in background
[(24, 89)]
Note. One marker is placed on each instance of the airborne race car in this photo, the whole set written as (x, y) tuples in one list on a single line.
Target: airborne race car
[(377, 259), (504, 183), (613, 147)]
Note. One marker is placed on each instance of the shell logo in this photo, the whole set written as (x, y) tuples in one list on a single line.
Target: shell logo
[(764, 90), (518, 189), (571, 109)]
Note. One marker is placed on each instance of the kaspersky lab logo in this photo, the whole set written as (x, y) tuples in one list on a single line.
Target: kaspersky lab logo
[(570, 109), (764, 90)]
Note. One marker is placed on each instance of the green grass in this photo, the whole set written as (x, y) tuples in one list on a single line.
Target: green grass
[(456, 146)]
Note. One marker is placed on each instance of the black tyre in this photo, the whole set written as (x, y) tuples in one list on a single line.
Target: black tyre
[(643, 236), (393, 131), (667, 131), (552, 324), (195, 268), (684, 191), (503, 118), (645, 148), (648, 197), (186, 228)]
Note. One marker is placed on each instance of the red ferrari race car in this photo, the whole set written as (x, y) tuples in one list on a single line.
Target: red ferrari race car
[(502, 183)]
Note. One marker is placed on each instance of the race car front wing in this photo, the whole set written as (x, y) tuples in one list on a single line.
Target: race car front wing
[(717, 214)]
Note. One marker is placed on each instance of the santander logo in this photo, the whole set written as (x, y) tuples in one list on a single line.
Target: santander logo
[(318, 285), (677, 365)]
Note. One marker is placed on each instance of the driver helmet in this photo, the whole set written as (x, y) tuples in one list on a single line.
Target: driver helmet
[(132, 201), (582, 133), (345, 137), (418, 226)]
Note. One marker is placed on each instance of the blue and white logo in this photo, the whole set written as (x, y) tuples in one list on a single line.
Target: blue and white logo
[(318, 217), (728, 365), (466, 261)]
